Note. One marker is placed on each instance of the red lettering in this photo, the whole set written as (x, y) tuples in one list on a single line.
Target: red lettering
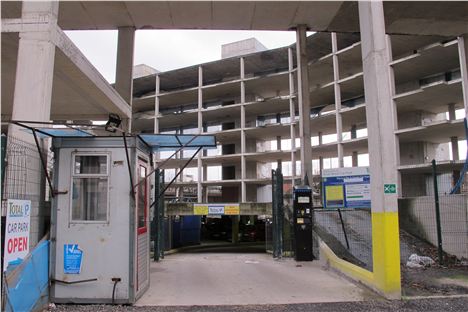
[(10, 246), (15, 243), (25, 243)]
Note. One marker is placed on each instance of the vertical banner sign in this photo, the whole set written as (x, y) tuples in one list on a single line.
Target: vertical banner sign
[(17, 227)]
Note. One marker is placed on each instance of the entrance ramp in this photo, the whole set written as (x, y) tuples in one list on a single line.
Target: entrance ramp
[(185, 279)]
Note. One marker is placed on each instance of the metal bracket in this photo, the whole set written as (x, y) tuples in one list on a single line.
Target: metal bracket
[(56, 192), (74, 282)]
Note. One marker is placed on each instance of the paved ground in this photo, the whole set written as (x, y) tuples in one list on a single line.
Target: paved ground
[(229, 279), (420, 305)]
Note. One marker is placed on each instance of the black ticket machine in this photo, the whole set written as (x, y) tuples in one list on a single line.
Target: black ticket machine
[(302, 213)]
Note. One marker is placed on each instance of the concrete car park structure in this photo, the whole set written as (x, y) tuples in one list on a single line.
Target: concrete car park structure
[(396, 69)]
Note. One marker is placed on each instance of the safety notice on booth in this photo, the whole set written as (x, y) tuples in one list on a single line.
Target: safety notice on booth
[(18, 215), (72, 259)]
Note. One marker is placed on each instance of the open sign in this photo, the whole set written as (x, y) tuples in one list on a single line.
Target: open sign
[(17, 230)]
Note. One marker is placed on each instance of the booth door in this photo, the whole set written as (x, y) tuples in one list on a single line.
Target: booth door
[(142, 241)]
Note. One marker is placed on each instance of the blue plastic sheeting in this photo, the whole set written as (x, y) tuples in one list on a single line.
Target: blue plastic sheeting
[(28, 283), (60, 132), (161, 142)]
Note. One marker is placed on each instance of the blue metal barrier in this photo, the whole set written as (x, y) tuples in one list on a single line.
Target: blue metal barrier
[(27, 284)]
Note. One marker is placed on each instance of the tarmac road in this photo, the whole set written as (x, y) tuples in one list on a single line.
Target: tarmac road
[(457, 304)]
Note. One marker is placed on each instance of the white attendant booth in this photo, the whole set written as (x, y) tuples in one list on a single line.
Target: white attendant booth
[(100, 218)]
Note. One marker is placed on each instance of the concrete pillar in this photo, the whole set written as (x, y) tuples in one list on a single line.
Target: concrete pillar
[(463, 55), (32, 102), (381, 122), (320, 138), (205, 177), (124, 69), (292, 115), (35, 66), (454, 141), (156, 104), (243, 147), (304, 102), (320, 164), (235, 229), (451, 112), (354, 159), (200, 130), (337, 90), (353, 132)]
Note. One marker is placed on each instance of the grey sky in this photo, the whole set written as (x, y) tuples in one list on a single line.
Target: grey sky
[(168, 49)]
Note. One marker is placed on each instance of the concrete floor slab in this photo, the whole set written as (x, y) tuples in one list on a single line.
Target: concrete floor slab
[(244, 279)]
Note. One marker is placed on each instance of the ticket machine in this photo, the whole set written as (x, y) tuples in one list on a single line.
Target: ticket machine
[(302, 217)]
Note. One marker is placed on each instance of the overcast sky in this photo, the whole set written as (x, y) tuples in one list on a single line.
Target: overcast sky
[(168, 49)]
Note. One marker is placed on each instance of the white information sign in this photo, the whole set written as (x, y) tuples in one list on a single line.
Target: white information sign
[(16, 230), (216, 210)]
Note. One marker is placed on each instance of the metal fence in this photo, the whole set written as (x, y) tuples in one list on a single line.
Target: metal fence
[(437, 214), (348, 232), (24, 178), (24, 175)]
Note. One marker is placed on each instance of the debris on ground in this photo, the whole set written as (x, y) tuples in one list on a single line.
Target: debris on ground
[(415, 261)]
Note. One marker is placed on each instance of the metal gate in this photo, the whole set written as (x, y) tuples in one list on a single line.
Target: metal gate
[(277, 212)]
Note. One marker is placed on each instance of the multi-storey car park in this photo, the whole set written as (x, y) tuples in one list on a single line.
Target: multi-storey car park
[(395, 68), (247, 100)]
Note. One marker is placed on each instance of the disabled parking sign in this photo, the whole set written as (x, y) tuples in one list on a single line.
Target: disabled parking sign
[(72, 259)]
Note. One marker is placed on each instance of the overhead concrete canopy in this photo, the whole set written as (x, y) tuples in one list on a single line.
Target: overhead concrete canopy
[(401, 17), (79, 92)]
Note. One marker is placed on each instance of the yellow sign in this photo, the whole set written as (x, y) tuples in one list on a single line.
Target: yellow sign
[(334, 192), (231, 210), (200, 210), (226, 209)]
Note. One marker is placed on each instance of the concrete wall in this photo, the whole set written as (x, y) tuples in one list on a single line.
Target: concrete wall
[(242, 47), (264, 194), (417, 216)]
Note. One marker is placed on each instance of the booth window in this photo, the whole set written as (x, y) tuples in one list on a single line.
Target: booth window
[(142, 199), (90, 187)]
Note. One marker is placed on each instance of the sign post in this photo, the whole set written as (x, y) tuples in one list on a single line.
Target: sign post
[(17, 227)]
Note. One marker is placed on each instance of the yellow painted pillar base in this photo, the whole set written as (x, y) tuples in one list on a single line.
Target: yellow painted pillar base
[(386, 253)]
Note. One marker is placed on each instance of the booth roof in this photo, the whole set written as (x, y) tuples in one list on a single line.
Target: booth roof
[(158, 142)]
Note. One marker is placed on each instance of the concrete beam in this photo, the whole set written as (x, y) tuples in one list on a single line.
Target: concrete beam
[(112, 101), (304, 102), (381, 123)]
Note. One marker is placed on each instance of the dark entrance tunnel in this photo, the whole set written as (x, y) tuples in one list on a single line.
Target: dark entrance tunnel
[(216, 234)]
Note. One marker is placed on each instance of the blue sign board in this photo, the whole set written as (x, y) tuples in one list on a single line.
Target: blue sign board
[(346, 188), (72, 259)]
